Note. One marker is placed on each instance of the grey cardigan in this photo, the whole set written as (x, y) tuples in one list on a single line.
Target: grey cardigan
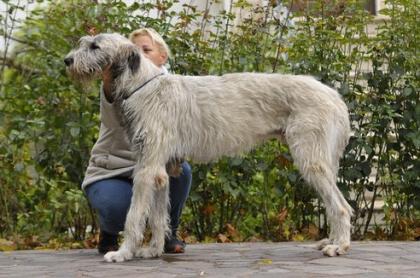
[(111, 155)]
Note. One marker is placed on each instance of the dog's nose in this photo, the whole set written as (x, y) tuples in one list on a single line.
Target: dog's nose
[(68, 61)]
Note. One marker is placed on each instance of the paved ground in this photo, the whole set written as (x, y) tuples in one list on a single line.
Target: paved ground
[(291, 259)]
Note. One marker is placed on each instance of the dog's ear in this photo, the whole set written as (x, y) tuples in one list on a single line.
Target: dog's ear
[(131, 54), (134, 61), (128, 58)]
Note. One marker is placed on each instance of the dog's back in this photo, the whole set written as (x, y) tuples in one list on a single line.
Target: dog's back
[(234, 112)]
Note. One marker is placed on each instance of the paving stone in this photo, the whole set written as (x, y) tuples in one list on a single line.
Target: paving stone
[(286, 259)]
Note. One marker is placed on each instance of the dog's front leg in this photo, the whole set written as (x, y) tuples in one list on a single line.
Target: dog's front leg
[(159, 217), (141, 201)]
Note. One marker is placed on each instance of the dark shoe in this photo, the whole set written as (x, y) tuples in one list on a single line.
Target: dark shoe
[(173, 245), (107, 242)]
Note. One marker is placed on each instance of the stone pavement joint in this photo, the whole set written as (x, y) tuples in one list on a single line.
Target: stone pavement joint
[(285, 259)]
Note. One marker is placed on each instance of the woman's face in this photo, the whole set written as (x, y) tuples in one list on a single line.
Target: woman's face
[(151, 50)]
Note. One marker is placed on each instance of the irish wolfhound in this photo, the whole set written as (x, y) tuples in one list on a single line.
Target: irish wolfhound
[(206, 117)]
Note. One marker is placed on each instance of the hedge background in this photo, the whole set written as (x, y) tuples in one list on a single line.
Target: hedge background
[(49, 124)]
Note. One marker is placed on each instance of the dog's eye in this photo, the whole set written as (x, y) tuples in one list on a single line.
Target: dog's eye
[(94, 46)]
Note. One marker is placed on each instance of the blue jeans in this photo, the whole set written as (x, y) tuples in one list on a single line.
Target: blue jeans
[(112, 198)]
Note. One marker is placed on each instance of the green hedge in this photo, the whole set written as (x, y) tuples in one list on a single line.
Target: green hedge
[(49, 124)]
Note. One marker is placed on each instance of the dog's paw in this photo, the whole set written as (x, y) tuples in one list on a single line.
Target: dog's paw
[(332, 250), (118, 256), (149, 252), (322, 243)]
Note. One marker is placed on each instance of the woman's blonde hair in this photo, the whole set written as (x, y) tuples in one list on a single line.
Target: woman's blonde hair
[(154, 36)]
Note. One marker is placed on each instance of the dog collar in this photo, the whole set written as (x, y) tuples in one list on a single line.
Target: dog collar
[(142, 85)]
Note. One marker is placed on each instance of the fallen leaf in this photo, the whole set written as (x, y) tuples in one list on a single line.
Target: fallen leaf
[(222, 238), (298, 237), (265, 262), (7, 245), (312, 232), (233, 234), (255, 239)]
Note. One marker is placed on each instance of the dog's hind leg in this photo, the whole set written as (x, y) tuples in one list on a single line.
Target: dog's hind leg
[(316, 154), (135, 223), (338, 211)]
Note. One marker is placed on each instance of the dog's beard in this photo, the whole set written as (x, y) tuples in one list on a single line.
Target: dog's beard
[(84, 76), (84, 68), (83, 71)]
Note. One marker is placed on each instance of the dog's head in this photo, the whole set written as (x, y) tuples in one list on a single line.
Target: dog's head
[(95, 54)]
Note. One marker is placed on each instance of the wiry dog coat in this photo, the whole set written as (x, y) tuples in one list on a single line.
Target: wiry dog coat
[(206, 117)]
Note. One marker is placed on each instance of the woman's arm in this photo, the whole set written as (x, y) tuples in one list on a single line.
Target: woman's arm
[(107, 85)]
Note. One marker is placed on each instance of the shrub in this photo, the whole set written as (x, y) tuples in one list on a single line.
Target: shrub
[(49, 124)]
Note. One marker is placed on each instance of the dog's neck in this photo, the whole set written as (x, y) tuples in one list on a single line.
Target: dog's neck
[(128, 80)]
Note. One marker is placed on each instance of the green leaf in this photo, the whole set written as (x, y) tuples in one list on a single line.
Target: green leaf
[(407, 91), (75, 131)]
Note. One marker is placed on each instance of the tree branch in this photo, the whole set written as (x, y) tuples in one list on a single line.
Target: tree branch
[(10, 63)]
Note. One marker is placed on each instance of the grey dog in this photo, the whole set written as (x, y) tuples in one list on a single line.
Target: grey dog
[(203, 118)]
